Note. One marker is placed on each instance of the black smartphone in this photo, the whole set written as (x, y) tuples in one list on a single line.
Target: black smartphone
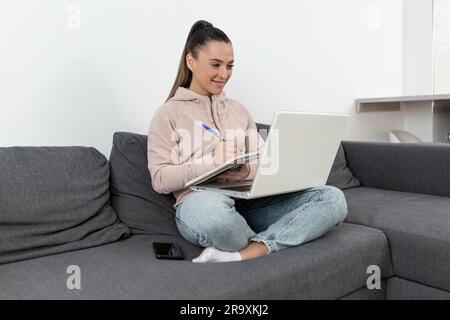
[(167, 250)]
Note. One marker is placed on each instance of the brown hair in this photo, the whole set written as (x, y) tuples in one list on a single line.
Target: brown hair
[(201, 33)]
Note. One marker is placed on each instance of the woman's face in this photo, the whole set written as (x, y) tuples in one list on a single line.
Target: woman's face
[(212, 69)]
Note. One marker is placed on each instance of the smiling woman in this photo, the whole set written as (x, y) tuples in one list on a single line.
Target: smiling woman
[(211, 219), (196, 101)]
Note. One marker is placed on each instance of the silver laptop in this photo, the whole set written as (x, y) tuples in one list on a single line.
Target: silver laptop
[(298, 154)]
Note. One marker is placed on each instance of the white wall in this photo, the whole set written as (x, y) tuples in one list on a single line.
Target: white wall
[(61, 85), (418, 39), (441, 47)]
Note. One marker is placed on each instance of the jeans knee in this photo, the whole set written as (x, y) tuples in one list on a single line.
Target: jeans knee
[(204, 209), (207, 218), (337, 199)]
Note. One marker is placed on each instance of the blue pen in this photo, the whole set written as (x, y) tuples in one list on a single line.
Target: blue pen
[(213, 132)]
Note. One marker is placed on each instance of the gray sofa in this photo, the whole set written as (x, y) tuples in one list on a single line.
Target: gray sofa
[(67, 206)]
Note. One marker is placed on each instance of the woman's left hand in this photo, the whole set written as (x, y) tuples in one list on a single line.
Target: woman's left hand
[(234, 175)]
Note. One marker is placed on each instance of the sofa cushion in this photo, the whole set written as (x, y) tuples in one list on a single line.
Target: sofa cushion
[(140, 207), (340, 174), (52, 200), (327, 268), (417, 227), (401, 289)]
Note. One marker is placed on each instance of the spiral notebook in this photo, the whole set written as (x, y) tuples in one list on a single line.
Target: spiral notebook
[(230, 164)]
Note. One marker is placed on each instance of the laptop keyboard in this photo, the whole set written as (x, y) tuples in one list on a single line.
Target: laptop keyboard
[(238, 188)]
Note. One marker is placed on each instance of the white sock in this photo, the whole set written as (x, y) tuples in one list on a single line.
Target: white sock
[(212, 254)]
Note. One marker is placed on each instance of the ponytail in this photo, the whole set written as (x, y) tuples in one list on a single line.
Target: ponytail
[(200, 34)]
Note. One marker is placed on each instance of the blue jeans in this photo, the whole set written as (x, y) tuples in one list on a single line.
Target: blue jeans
[(208, 218)]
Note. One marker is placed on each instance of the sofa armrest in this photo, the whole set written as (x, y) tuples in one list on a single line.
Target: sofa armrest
[(409, 167)]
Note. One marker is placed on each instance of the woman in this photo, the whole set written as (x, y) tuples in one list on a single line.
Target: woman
[(178, 151)]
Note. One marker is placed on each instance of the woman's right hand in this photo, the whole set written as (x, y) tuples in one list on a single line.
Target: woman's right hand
[(225, 151)]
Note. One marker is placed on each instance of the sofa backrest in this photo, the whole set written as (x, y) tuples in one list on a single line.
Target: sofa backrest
[(409, 167), (54, 199)]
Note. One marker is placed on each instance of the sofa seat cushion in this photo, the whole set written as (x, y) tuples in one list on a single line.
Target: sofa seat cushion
[(401, 289), (417, 227), (327, 268)]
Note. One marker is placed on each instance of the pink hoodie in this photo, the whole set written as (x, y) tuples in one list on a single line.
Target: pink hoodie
[(179, 149)]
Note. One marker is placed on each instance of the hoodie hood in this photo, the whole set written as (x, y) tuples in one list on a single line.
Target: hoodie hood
[(184, 94)]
